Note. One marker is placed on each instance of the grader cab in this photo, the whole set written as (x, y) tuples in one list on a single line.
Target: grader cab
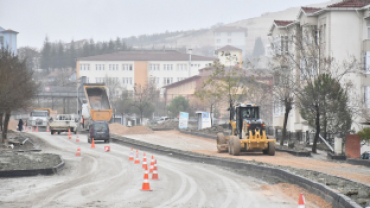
[(247, 133)]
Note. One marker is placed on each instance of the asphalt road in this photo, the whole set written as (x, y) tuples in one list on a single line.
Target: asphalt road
[(108, 179)]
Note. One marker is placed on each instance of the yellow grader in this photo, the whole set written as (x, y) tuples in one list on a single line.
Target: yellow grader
[(247, 133)]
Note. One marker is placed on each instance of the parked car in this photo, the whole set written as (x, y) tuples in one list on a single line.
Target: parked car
[(161, 120), (366, 155), (99, 130)]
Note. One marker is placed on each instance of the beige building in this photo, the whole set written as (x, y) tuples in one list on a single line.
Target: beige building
[(342, 31), (128, 68), (230, 56)]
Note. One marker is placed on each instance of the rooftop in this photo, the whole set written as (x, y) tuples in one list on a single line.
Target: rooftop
[(350, 4), (9, 31), (175, 84), (311, 9), (147, 55), (283, 22), (228, 48)]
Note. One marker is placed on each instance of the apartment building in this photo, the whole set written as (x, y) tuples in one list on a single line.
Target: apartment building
[(8, 40), (342, 31), (138, 67), (230, 56), (230, 35)]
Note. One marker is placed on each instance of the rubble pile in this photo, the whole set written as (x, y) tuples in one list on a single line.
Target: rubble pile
[(169, 124), (27, 161), (120, 129)]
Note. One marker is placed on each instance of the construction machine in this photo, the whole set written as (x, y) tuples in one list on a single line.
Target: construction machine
[(96, 107), (247, 132)]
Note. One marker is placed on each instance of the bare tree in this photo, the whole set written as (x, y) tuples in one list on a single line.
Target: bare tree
[(144, 95), (16, 87)]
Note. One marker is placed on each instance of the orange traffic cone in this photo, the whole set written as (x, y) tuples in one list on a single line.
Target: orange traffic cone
[(145, 165), (155, 173), (92, 143), (137, 160), (69, 131), (146, 186), (37, 128), (47, 128), (78, 153), (301, 201), (131, 158), (144, 161), (77, 139), (151, 165)]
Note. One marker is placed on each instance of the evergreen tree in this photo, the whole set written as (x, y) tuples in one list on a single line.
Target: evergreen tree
[(111, 46), (177, 105), (45, 55), (259, 49), (85, 49), (61, 56), (72, 55), (118, 44)]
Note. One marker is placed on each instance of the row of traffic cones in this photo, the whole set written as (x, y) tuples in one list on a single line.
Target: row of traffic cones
[(153, 168)]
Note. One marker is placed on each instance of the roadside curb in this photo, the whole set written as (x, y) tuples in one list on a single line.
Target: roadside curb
[(259, 171), (295, 153), (358, 162), (33, 172), (209, 136), (162, 129)]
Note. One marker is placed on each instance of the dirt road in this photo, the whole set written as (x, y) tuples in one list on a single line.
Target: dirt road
[(182, 141), (108, 179)]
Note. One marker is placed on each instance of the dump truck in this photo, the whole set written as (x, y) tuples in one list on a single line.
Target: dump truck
[(96, 107), (40, 117), (247, 133)]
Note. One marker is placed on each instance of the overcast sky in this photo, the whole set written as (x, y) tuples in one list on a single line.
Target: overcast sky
[(105, 19)]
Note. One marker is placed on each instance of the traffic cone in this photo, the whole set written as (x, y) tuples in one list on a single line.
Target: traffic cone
[(151, 165), (145, 165), (155, 173), (37, 128), (107, 148), (77, 139), (146, 186), (47, 128), (92, 144), (131, 158), (78, 153), (137, 160), (301, 201), (69, 132)]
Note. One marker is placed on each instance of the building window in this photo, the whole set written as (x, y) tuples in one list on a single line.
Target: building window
[(218, 41), (229, 34), (229, 40), (167, 67), (154, 67), (181, 67), (218, 33), (85, 67), (126, 67)]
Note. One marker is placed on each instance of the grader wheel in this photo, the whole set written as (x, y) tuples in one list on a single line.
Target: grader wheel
[(271, 150), (234, 146), (221, 141)]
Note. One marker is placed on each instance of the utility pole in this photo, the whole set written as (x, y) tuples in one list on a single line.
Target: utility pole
[(190, 52)]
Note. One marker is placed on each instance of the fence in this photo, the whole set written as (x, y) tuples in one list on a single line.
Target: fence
[(302, 137)]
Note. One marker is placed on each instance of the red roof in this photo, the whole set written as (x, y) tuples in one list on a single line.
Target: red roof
[(311, 9), (283, 22), (351, 4)]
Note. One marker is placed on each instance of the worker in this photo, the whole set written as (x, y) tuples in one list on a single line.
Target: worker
[(20, 125)]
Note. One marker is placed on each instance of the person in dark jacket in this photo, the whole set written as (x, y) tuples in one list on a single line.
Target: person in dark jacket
[(20, 125)]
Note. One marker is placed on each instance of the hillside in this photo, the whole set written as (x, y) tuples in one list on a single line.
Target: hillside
[(202, 42)]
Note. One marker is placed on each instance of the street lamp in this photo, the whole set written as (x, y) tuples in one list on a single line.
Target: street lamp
[(190, 52)]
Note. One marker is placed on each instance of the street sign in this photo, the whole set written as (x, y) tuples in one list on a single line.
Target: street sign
[(183, 120)]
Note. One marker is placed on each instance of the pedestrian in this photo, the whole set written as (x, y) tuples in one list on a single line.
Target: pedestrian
[(20, 125)]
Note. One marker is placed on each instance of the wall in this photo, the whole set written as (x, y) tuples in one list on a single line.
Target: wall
[(237, 39), (353, 146), (223, 59), (141, 72)]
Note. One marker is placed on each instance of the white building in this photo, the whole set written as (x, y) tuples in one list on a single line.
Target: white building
[(230, 35), (343, 30), (138, 67), (230, 56)]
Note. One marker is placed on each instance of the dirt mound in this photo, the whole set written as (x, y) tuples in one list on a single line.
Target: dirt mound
[(120, 129), (169, 124), (139, 130), (117, 128)]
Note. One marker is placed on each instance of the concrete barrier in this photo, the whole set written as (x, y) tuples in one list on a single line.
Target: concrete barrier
[(359, 162)]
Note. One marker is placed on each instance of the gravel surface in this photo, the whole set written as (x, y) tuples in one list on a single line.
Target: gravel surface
[(181, 141), (108, 179), (120, 129)]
